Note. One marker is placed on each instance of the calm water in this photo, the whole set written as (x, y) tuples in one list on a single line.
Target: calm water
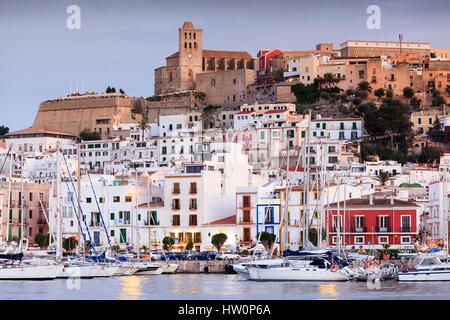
[(214, 286)]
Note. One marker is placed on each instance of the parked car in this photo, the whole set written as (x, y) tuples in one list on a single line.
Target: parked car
[(227, 255), (208, 255), (170, 256), (190, 255), (156, 256)]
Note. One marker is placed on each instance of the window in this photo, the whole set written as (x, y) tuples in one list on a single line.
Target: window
[(359, 240), (383, 224), (406, 224), (383, 240), (197, 237), (193, 188), (88, 200), (336, 220), (176, 188), (176, 220), (116, 199), (269, 215), (128, 198), (112, 216), (359, 224), (176, 204), (193, 204), (406, 240), (334, 239), (192, 219), (246, 200)]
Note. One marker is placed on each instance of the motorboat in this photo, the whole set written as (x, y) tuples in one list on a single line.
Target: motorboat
[(325, 268), (147, 268), (425, 267)]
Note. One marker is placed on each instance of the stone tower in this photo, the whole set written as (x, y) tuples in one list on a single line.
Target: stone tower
[(190, 54)]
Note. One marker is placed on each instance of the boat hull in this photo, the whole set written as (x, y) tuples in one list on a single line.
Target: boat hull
[(43, 272), (437, 275), (295, 274)]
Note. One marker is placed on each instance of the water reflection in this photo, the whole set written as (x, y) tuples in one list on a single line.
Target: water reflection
[(329, 289), (131, 287)]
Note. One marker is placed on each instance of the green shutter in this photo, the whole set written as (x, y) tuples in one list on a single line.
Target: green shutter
[(120, 214), (139, 217), (112, 216)]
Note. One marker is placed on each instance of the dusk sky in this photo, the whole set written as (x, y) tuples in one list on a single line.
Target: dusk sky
[(120, 43)]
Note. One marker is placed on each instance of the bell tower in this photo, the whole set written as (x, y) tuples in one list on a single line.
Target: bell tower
[(190, 54)]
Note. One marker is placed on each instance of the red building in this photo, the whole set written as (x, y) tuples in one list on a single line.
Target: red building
[(373, 222)]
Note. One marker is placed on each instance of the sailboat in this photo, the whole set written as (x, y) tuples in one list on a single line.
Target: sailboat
[(15, 268), (329, 268)]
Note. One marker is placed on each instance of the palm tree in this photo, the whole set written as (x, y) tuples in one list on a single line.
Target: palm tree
[(143, 125), (364, 86), (330, 79), (383, 177)]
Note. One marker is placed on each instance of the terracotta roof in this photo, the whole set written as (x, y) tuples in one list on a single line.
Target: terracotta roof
[(226, 54), (245, 112), (173, 55), (41, 130), (219, 54), (276, 111), (188, 25), (376, 203), (227, 220)]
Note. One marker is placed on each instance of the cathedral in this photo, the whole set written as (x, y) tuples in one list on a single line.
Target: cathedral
[(222, 75)]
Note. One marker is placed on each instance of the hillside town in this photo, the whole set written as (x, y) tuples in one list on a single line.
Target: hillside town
[(340, 146)]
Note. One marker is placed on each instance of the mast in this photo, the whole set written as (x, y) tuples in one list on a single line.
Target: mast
[(58, 206), (79, 194), (149, 217), (136, 216), (9, 199), (21, 201), (338, 219), (286, 208)]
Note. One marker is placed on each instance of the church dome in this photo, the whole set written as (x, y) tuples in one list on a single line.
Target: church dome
[(188, 25)]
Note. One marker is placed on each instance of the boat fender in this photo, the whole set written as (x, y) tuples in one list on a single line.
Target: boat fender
[(206, 269), (405, 268), (334, 268)]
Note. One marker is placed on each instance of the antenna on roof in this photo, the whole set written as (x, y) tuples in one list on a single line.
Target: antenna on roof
[(70, 84)]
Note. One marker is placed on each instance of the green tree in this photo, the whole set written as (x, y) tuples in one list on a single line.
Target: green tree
[(431, 154), (189, 245), (69, 244), (312, 236), (110, 90), (379, 93), (267, 239), (364, 86), (87, 135), (383, 177), (437, 100), (389, 93), (408, 92), (415, 103), (305, 94), (436, 133), (218, 240), (168, 242), (3, 131), (42, 239), (121, 91)]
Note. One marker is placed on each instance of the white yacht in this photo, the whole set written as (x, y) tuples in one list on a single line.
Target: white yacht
[(29, 272), (425, 267)]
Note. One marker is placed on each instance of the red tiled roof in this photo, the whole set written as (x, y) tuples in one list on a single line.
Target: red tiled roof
[(245, 112), (227, 220), (41, 130), (276, 111), (376, 203)]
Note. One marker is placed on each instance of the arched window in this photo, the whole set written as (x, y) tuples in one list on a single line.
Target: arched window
[(170, 76), (185, 45), (195, 45), (190, 45), (189, 35), (194, 35), (213, 82), (185, 35)]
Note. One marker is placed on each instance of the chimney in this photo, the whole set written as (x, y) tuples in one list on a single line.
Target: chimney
[(370, 199)]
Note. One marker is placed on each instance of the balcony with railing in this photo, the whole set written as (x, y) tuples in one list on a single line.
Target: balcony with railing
[(405, 229), (382, 229), (358, 229)]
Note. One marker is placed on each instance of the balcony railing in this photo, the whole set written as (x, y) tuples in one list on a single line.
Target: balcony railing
[(405, 229), (383, 229), (152, 223), (358, 229)]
